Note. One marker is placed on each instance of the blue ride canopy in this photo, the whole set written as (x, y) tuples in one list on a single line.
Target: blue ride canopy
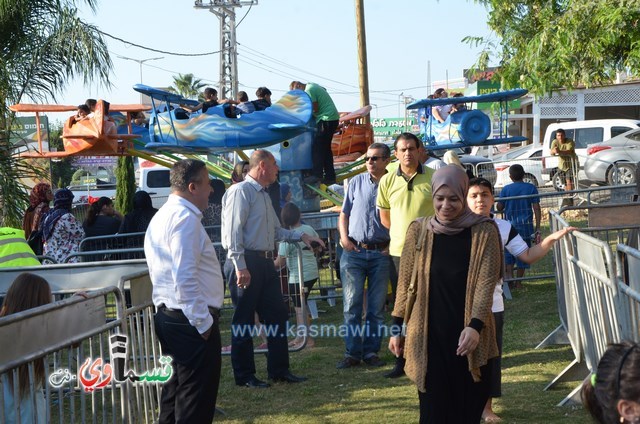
[(498, 96), (214, 132)]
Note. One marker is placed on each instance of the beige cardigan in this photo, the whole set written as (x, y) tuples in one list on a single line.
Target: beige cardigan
[(485, 270)]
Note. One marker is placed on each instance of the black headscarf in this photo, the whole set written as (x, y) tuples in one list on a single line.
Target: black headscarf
[(138, 220), (62, 201)]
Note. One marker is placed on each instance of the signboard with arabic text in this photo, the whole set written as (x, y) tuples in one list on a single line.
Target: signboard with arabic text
[(391, 126)]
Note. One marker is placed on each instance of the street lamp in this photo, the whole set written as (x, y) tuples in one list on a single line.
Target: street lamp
[(140, 62), (376, 107)]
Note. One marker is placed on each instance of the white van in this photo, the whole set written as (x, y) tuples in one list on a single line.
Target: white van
[(583, 134), (155, 181)]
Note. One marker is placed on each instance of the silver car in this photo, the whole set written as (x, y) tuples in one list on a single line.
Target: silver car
[(530, 157), (614, 161)]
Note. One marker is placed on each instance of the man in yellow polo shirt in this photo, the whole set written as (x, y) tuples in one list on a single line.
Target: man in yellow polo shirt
[(403, 196)]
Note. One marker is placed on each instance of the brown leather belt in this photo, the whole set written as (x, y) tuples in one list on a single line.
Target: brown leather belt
[(267, 254), (371, 246)]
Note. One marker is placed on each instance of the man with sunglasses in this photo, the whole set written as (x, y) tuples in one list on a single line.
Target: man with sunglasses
[(365, 257), (403, 196)]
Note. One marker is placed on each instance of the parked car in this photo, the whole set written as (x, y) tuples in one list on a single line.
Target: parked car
[(478, 165), (530, 157), (583, 133), (623, 151), (152, 178)]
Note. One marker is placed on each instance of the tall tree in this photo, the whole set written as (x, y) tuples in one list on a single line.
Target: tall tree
[(548, 44), (126, 184), (187, 86), (44, 46)]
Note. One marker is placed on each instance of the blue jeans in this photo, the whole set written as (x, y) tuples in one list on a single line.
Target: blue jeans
[(355, 268)]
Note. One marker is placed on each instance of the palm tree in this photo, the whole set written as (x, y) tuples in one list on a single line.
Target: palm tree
[(187, 86), (44, 46)]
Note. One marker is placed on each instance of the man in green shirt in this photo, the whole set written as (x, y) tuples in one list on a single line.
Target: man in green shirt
[(565, 148), (327, 118), (403, 195)]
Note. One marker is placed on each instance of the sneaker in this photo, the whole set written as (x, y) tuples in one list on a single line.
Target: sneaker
[(347, 362), (226, 349), (374, 361)]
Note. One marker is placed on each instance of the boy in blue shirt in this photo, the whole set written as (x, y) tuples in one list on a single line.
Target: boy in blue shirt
[(521, 213)]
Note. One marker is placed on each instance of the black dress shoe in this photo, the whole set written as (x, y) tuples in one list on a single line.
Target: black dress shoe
[(289, 378), (254, 383), (394, 373), (398, 369)]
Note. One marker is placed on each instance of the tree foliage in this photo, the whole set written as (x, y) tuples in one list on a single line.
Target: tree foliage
[(187, 86), (548, 44), (126, 184), (44, 46)]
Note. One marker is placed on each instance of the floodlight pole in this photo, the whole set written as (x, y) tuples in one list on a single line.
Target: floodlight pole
[(225, 11), (140, 62)]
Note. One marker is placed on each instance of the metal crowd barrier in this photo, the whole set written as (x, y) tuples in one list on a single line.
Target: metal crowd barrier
[(326, 225), (597, 304), (628, 279), (604, 195), (70, 278), (69, 336)]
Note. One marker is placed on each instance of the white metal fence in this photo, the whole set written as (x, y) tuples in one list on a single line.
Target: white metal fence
[(598, 296)]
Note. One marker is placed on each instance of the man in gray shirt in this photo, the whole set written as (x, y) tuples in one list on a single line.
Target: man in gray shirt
[(250, 228)]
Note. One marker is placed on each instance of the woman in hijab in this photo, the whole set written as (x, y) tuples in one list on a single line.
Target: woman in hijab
[(139, 218), (239, 172), (39, 199), (137, 221), (455, 258), (213, 214), (61, 231)]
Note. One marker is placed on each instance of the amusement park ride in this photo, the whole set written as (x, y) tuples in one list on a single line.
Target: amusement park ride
[(286, 129), (466, 128), (88, 137)]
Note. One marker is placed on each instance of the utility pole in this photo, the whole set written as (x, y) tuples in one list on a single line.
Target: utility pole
[(363, 72), (225, 11)]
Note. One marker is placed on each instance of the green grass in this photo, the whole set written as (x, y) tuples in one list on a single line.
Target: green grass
[(362, 395)]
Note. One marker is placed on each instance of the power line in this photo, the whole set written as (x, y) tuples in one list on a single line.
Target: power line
[(245, 15), (267, 57), (152, 49)]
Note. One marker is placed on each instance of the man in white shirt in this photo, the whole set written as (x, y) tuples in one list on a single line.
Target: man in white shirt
[(188, 291), (429, 159)]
